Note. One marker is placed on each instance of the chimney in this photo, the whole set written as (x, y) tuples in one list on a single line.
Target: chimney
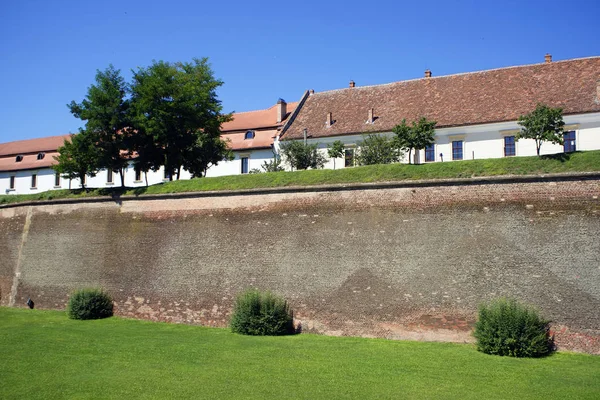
[(329, 119), (548, 58), (312, 91), (352, 84), (281, 110), (427, 73), (370, 119)]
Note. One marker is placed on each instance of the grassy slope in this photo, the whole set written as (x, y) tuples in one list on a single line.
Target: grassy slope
[(47, 356), (560, 163)]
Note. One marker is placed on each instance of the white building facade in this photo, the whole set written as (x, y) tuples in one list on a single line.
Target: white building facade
[(476, 113)]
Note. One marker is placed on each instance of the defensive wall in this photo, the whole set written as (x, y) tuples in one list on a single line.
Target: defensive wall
[(403, 261)]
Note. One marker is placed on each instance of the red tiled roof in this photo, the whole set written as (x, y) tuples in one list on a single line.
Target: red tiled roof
[(243, 121), (45, 144), (262, 140), (455, 100), (29, 161)]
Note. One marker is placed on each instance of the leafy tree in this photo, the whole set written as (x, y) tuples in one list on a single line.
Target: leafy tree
[(207, 151), (335, 150), (106, 112), (544, 124), (273, 165), (178, 117), (378, 149), (418, 136), (301, 155), (78, 157)]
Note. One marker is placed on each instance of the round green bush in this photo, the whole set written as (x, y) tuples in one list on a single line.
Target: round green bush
[(90, 304), (506, 327), (261, 314)]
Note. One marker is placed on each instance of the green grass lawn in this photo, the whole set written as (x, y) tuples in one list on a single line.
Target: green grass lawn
[(44, 355), (588, 161)]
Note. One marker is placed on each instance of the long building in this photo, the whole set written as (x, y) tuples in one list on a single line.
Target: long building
[(476, 115), (476, 112)]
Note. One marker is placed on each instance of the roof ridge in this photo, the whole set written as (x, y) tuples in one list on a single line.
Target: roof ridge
[(453, 75), (38, 138), (251, 111)]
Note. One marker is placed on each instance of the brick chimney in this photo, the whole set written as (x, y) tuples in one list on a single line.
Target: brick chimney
[(329, 119), (370, 118), (352, 84), (427, 73), (281, 110), (548, 58)]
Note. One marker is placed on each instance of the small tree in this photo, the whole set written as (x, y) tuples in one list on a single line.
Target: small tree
[(378, 149), (302, 155), (273, 165), (418, 136), (335, 150), (78, 157), (544, 124)]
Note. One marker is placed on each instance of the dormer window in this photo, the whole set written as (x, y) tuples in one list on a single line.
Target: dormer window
[(249, 135), (41, 156), (19, 158)]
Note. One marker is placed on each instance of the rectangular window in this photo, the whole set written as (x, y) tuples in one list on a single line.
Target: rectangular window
[(509, 146), (33, 181), (457, 150), (12, 183), (349, 158), (244, 165), (430, 153), (109, 176), (569, 138), (138, 174), (57, 180)]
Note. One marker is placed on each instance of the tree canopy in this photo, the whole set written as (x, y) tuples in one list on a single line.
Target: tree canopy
[(178, 117), (169, 115), (301, 155), (335, 150), (78, 157), (544, 124), (378, 149), (417, 136)]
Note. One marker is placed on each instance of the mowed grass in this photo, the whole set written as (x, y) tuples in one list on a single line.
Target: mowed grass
[(588, 161), (47, 356)]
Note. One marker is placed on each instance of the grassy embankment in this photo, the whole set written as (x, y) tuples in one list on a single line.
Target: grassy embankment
[(47, 356), (588, 161)]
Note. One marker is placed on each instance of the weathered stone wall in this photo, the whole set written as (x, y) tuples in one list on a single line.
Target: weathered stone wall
[(408, 262)]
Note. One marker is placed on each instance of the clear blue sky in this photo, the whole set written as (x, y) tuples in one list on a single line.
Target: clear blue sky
[(265, 50)]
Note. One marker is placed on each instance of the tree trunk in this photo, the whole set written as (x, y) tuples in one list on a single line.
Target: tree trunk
[(178, 172), (538, 145), (334, 163), (146, 177), (122, 175), (409, 155)]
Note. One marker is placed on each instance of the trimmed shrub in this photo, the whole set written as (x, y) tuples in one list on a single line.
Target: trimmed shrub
[(508, 328), (90, 304), (262, 313)]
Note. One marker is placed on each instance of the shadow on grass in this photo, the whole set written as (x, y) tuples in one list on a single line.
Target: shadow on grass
[(562, 157)]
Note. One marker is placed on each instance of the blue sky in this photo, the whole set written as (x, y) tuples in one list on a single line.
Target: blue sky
[(266, 50)]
